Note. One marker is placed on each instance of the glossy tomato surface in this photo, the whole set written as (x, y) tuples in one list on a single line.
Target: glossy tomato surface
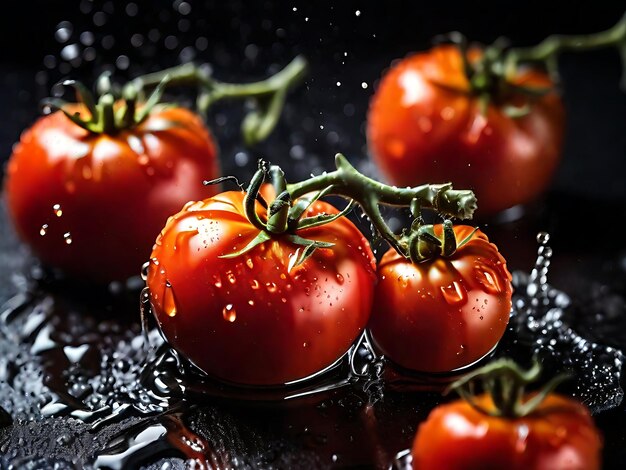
[(255, 318), (559, 435), (424, 126), (92, 204), (445, 313)]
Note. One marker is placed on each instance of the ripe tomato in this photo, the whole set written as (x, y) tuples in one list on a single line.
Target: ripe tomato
[(255, 318), (92, 204), (558, 435), (442, 313), (425, 124)]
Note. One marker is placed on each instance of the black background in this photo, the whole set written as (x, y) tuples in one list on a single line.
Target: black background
[(581, 210)]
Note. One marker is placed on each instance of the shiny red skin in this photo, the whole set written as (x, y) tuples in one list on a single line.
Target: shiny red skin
[(559, 435), (445, 313), (115, 192), (424, 126), (250, 319)]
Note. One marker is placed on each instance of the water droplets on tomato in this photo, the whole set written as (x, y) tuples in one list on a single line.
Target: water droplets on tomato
[(254, 284), (182, 238), (229, 313), (340, 278), (488, 278), (169, 302), (447, 113), (271, 287), (455, 293)]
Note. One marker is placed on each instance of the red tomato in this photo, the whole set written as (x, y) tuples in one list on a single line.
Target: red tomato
[(92, 204), (559, 435), (425, 125), (251, 319), (443, 313)]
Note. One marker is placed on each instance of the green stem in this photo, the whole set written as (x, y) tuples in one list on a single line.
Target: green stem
[(555, 44), (505, 382), (107, 113), (346, 181), (269, 93)]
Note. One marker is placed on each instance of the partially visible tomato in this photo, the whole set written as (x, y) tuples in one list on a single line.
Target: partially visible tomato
[(426, 123), (559, 434), (91, 204), (443, 313), (258, 318)]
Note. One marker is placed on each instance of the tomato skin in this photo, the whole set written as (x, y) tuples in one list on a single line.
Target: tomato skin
[(445, 313), (559, 435), (424, 126), (249, 319), (114, 192)]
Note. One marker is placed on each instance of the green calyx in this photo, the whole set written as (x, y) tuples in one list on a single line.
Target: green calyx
[(424, 244), (284, 218), (285, 214), (118, 109), (506, 383), (113, 111), (491, 76)]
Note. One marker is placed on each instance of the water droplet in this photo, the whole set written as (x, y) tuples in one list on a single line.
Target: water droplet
[(447, 113), (43, 230), (488, 278), (67, 236), (229, 313), (340, 279), (455, 293), (271, 287), (543, 238), (57, 210), (231, 277), (169, 302), (364, 85), (249, 263), (425, 124), (144, 270), (254, 284)]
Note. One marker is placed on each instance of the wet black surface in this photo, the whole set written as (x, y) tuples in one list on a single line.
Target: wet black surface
[(60, 405)]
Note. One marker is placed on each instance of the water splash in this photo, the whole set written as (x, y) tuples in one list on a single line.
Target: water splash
[(105, 375)]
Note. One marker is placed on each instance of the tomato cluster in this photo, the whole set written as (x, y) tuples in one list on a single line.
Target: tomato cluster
[(267, 287)]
